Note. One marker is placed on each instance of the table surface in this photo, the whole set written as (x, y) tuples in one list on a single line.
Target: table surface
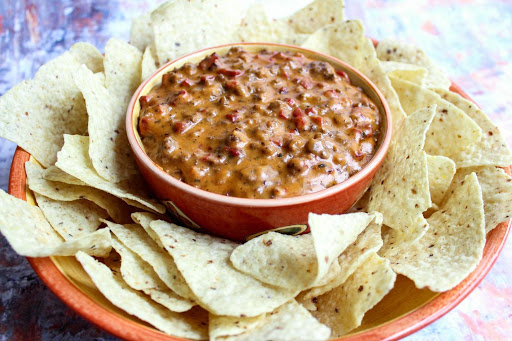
[(469, 38)]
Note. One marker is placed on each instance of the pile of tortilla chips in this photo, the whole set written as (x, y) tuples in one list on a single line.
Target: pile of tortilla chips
[(426, 215)]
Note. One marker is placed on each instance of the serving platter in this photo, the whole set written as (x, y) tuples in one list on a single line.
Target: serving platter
[(403, 311)]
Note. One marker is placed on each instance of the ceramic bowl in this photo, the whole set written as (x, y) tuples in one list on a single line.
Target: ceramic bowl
[(240, 218)]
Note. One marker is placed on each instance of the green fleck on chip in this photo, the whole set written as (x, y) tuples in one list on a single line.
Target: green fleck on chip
[(191, 324), (402, 180), (440, 174), (203, 260), (343, 308), (451, 131)]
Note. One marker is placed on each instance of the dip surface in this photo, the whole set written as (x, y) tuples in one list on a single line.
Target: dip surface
[(259, 125)]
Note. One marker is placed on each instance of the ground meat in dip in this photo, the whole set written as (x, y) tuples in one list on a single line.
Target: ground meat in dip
[(259, 125)]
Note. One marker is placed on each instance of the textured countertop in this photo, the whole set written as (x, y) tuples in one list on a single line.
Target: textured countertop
[(470, 39)]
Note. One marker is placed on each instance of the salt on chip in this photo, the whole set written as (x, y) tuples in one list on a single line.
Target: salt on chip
[(140, 276), (343, 308), (440, 174), (203, 260), (148, 64), (190, 325), (89, 55), (346, 41), (220, 327), (30, 234), (367, 243), (294, 29), (289, 322), (71, 219), (389, 50), (496, 192), (36, 113), (299, 262), (491, 149), (74, 160), (136, 239), (402, 180), (117, 209), (141, 32), (409, 72), (453, 246), (451, 131), (207, 23)]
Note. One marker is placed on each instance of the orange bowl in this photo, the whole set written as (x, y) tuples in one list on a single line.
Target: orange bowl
[(242, 218)]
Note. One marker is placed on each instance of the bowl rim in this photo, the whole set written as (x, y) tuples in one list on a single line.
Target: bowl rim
[(162, 176)]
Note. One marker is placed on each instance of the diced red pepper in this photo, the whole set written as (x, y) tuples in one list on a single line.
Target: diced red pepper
[(310, 111), (186, 82), (277, 142), (286, 74), (297, 112), (306, 84), (233, 117), (282, 114), (233, 151), (300, 122), (291, 102), (208, 61), (343, 74), (143, 126), (283, 90), (207, 78), (230, 73), (143, 100), (331, 94), (231, 84), (181, 127), (318, 120)]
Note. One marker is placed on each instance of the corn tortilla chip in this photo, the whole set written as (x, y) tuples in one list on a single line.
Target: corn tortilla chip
[(402, 180), (288, 322), (148, 64), (89, 55), (496, 192), (54, 173), (74, 160), (453, 246), (141, 32), (71, 219), (36, 113), (389, 50), (191, 325), (346, 41), (139, 275), (207, 23), (491, 149), (409, 72), (222, 326), (451, 131), (440, 174), (117, 209), (367, 243), (342, 309), (299, 262), (203, 260), (29, 233), (137, 240)]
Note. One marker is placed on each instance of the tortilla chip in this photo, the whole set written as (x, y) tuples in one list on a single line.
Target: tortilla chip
[(203, 260), (192, 324), (141, 32), (148, 64), (207, 23), (361, 205), (299, 262), (402, 180), (116, 208), (491, 149), (342, 309), (496, 192), (453, 246), (294, 29), (106, 106), (140, 276), (346, 41), (389, 50), (36, 113), (367, 243), (29, 233), (289, 322), (409, 72), (74, 160), (222, 326), (440, 174), (137, 240), (54, 173), (71, 219), (89, 55)]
